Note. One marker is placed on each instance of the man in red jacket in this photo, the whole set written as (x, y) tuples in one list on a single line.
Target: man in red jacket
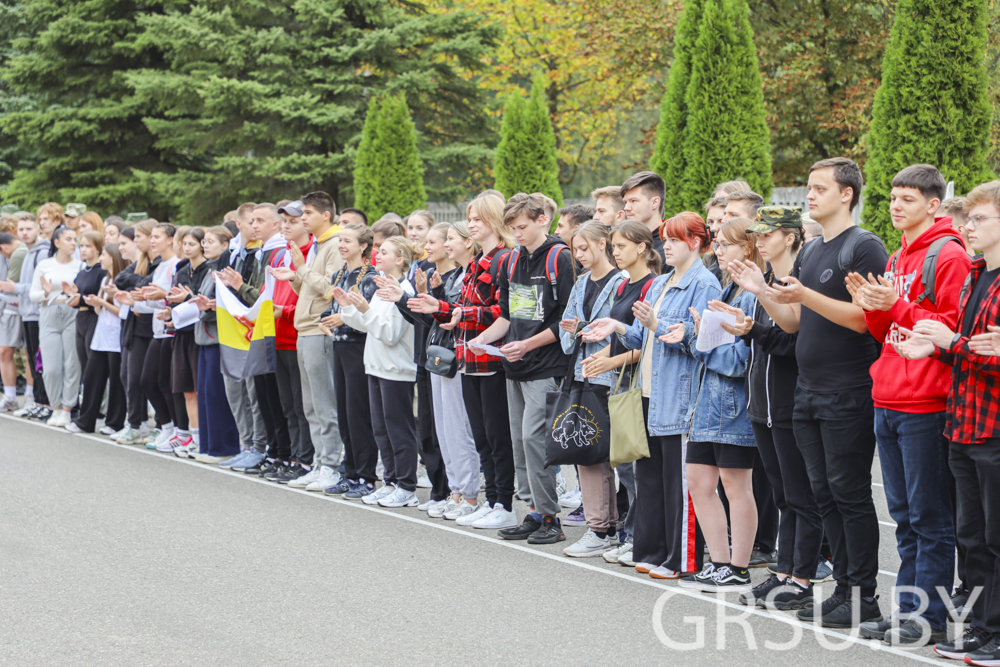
[(910, 401)]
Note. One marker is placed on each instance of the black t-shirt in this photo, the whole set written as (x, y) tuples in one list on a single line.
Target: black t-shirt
[(593, 290), (833, 358), (982, 287), (621, 309)]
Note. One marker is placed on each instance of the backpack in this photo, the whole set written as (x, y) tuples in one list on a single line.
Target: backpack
[(928, 274), (845, 261), (642, 295), (551, 265)]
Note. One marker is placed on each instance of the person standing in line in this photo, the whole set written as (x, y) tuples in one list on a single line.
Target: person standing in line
[(643, 195), (57, 324), (88, 282), (12, 254)]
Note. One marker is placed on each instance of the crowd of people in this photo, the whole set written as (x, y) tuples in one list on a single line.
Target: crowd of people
[(408, 345)]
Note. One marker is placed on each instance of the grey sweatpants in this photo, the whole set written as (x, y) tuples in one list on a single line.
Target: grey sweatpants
[(60, 362), (319, 399), (239, 403), (526, 406), (454, 432)]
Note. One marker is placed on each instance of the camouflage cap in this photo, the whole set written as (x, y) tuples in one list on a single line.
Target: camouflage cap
[(9, 209), (133, 218), (770, 218), (75, 210)]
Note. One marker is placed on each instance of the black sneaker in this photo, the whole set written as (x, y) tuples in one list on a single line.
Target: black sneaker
[(792, 597), (987, 656), (527, 527), (829, 604), (853, 612), (915, 632), (756, 596), (279, 473), (971, 641), (263, 468), (549, 533), (727, 580), (877, 629), (956, 606), (760, 558)]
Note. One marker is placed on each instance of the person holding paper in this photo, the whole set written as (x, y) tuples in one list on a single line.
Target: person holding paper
[(721, 442)]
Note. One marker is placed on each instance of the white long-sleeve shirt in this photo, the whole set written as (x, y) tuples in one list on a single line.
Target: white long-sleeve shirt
[(56, 273), (163, 276), (389, 344)]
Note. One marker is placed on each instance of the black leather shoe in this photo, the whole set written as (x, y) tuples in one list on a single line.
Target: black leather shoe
[(527, 527), (549, 533)]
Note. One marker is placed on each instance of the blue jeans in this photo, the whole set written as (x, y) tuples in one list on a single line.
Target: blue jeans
[(914, 457)]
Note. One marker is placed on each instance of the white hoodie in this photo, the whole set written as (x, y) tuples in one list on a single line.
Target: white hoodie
[(389, 344)]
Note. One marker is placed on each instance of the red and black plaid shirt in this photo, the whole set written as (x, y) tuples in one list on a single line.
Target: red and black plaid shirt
[(974, 399), (480, 306)]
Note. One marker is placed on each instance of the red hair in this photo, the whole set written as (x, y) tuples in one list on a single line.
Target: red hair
[(687, 225)]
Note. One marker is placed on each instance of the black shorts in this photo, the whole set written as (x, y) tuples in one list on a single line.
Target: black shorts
[(721, 455), (184, 375)]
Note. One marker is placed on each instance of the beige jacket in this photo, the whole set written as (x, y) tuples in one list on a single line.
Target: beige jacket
[(311, 282)]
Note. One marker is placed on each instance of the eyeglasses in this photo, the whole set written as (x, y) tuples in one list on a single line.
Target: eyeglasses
[(719, 246), (977, 220)]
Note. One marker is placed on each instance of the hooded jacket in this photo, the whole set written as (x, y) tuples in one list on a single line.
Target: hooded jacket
[(29, 309), (773, 372), (389, 344), (918, 386), (312, 280), (285, 335), (527, 302)]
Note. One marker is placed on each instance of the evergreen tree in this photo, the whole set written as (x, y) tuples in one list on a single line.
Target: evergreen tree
[(13, 24), (726, 135), (525, 160), (932, 106), (388, 171), (668, 157)]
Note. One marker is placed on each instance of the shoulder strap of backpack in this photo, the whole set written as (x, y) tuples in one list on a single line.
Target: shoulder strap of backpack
[(645, 289), (846, 258), (277, 258), (552, 267), (512, 258), (928, 274), (497, 265)]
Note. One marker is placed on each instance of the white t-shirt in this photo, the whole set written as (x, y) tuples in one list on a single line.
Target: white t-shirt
[(108, 333)]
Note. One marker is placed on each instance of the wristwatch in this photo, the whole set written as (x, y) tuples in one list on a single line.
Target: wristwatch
[(954, 341)]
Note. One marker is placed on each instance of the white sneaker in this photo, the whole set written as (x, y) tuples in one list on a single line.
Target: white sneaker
[(151, 436), (560, 484), (187, 451), (29, 405), (73, 428), (500, 517), (378, 494), (326, 478), (571, 500), (431, 504), (58, 418), (475, 515), (168, 446), (461, 509), (423, 481), (588, 546), (8, 405), (400, 498), (611, 556), (131, 436), (438, 511), (626, 559), (306, 479), (166, 435), (107, 430)]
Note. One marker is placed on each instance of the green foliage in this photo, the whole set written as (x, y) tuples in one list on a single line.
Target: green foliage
[(388, 170), (726, 134), (525, 159), (932, 106), (12, 25), (668, 157)]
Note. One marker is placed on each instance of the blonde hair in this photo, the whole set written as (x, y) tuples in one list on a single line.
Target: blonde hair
[(489, 208), (403, 248), (221, 233), (365, 237), (94, 220), (461, 227), (146, 229), (55, 212), (426, 215), (735, 231)]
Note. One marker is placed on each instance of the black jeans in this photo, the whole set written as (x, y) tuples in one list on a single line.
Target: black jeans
[(836, 435), (354, 411), (279, 444), (395, 430), (430, 450), (31, 342), (155, 379), (977, 483), (133, 359), (486, 404), (102, 368), (800, 529), (86, 324), (290, 393)]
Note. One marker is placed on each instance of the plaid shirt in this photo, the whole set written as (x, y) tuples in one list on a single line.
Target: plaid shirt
[(480, 307), (974, 399)]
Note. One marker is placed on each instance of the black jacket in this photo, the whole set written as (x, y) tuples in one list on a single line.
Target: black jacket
[(367, 289), (773, 371), (137, 325), (426, 330)]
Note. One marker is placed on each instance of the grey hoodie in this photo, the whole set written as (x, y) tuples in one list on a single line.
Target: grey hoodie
[(29, 309)]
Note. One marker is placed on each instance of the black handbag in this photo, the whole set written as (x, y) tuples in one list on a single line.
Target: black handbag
[(578, 427), (441, 359)]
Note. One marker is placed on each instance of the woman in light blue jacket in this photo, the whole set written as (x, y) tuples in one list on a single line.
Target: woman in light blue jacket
[(591, 299), (721, 443), (667, 542)]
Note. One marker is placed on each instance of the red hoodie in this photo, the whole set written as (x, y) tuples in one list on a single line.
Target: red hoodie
[(285, 335), (918, 386)]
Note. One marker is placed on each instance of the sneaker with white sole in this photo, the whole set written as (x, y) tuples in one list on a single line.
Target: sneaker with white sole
[(170, 445), (378, 494), (701, 580), (400, 498), (611, 555), (431, 504), (327, 478), (571, 500), (423, 481), (131, 436), (625, 558), (588, 546), (560, 484), (306, 479), (73, 428), (475, 515), (152, 436), (208, 458), (109, 431), (29, 405), (438, 511), (8, 405), (187, 451), (58, 418), (462, 509), (500, 517)]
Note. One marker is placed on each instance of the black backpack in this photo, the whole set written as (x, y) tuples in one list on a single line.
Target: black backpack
[(928, 274)]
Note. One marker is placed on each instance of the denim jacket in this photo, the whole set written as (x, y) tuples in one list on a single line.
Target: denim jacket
[(720, 414), (674, 385), (602, 308)]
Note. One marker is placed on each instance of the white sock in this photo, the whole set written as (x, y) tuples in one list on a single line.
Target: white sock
[(10, 393), (195, 436), (167, 428), (181, 433), (29, 392)]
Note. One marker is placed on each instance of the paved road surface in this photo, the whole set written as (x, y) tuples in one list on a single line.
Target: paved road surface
[(111, 555)]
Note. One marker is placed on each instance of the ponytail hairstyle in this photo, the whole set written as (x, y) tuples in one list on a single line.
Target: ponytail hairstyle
[(198, 234), (595, 232), (735, 231), (117, 263), (689, 226), (462, 229), (366, 237), (167, 229), (636, 232), (797, 234), (220, 232), (146, 229), (404, 249), (57, 234), (388, 228), (426, 215), (489, 208), (96, 239)]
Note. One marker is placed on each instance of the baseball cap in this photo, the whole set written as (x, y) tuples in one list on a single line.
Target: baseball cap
[(770, 218), (75, 210), (293, 209), (133, 218)]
